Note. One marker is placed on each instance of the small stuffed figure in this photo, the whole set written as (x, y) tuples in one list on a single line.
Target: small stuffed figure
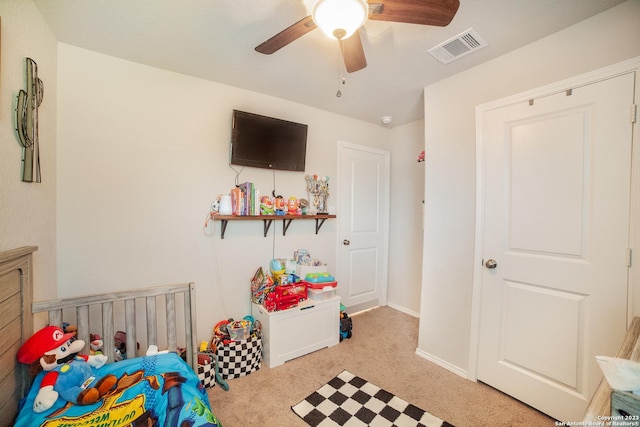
[(96, 344), (120, 343), (69, 375)]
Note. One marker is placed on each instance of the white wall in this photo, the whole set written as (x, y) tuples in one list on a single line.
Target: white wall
[(405, 219), (28, 210), (608, 38), (142, 152)]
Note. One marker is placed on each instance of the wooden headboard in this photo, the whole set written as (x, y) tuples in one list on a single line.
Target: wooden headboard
[(158, 316), (16, 326)]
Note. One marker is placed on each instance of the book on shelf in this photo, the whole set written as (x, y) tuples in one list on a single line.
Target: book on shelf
[(246, 199)]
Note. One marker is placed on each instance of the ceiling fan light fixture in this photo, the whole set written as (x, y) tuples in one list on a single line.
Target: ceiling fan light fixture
[(339, 19)]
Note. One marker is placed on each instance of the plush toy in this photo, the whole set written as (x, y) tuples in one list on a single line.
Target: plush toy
[(120, 343), (96, 345), (69, 375)]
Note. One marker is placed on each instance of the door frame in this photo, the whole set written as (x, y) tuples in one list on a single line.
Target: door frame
[(385, 197), (633, 291)]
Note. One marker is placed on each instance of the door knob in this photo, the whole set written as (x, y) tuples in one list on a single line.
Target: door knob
[(346, 242), (491, 264)]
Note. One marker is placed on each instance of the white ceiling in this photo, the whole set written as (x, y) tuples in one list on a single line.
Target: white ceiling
[(215, 40)]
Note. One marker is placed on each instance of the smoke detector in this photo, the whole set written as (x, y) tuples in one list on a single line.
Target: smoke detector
[(458, 46), (386, 120)]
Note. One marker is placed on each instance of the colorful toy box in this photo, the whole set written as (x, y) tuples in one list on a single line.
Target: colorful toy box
[(321, 286), (321, 277)]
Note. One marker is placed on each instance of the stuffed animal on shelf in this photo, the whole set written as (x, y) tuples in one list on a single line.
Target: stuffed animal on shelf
[(70, 375)]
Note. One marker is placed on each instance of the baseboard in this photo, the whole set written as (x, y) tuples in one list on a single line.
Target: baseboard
[(443, 364), (355, 313), (403, 309), (359, 308)]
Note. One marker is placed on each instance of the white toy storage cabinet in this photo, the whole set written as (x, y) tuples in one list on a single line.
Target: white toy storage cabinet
[(300, 330)]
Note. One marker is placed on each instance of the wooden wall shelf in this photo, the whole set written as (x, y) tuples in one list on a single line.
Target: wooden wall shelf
[(268, 219)]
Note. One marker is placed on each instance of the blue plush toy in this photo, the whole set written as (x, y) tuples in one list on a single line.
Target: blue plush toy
[(69, 375)]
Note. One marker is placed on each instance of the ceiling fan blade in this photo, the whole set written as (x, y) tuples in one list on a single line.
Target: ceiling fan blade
[(353, 53), (287, 35), (423, 12)]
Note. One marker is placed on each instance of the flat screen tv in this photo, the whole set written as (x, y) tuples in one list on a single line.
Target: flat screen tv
[(267, 142)]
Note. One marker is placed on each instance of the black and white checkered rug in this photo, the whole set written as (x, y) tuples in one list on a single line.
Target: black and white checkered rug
[(348, 400)]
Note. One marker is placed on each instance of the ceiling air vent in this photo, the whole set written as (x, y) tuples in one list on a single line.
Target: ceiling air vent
[(458, 46)]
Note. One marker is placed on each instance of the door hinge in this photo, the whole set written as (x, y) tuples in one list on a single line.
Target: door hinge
[(628, 257), (634, 113)]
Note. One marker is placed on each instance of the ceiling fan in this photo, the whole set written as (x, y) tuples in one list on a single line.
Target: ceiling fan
[(341, 20)]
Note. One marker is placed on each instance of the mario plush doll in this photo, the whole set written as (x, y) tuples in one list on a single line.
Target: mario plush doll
[(69, 375)]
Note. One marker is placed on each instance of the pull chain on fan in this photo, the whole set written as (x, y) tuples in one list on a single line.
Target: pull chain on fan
[(342, 80)]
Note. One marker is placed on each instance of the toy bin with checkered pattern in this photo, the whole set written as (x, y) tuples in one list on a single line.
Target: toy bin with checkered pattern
[(206, 367), (237, 347)]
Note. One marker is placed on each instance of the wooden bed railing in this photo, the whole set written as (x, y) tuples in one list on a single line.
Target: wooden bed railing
[(105, 303)]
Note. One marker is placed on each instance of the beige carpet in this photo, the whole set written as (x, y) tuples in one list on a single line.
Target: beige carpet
[(382, 350)]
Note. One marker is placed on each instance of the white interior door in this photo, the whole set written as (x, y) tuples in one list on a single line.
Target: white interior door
[(555, 244), (363, 221)]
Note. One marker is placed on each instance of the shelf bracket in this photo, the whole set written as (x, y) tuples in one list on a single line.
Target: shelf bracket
[(267, 226), (223, 228), (268, 220), (319, 224), (285, 226)]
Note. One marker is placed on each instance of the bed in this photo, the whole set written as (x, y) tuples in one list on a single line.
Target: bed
[(155, 389)]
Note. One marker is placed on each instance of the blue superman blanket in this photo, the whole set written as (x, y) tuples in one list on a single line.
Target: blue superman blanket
[(157, 390)]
